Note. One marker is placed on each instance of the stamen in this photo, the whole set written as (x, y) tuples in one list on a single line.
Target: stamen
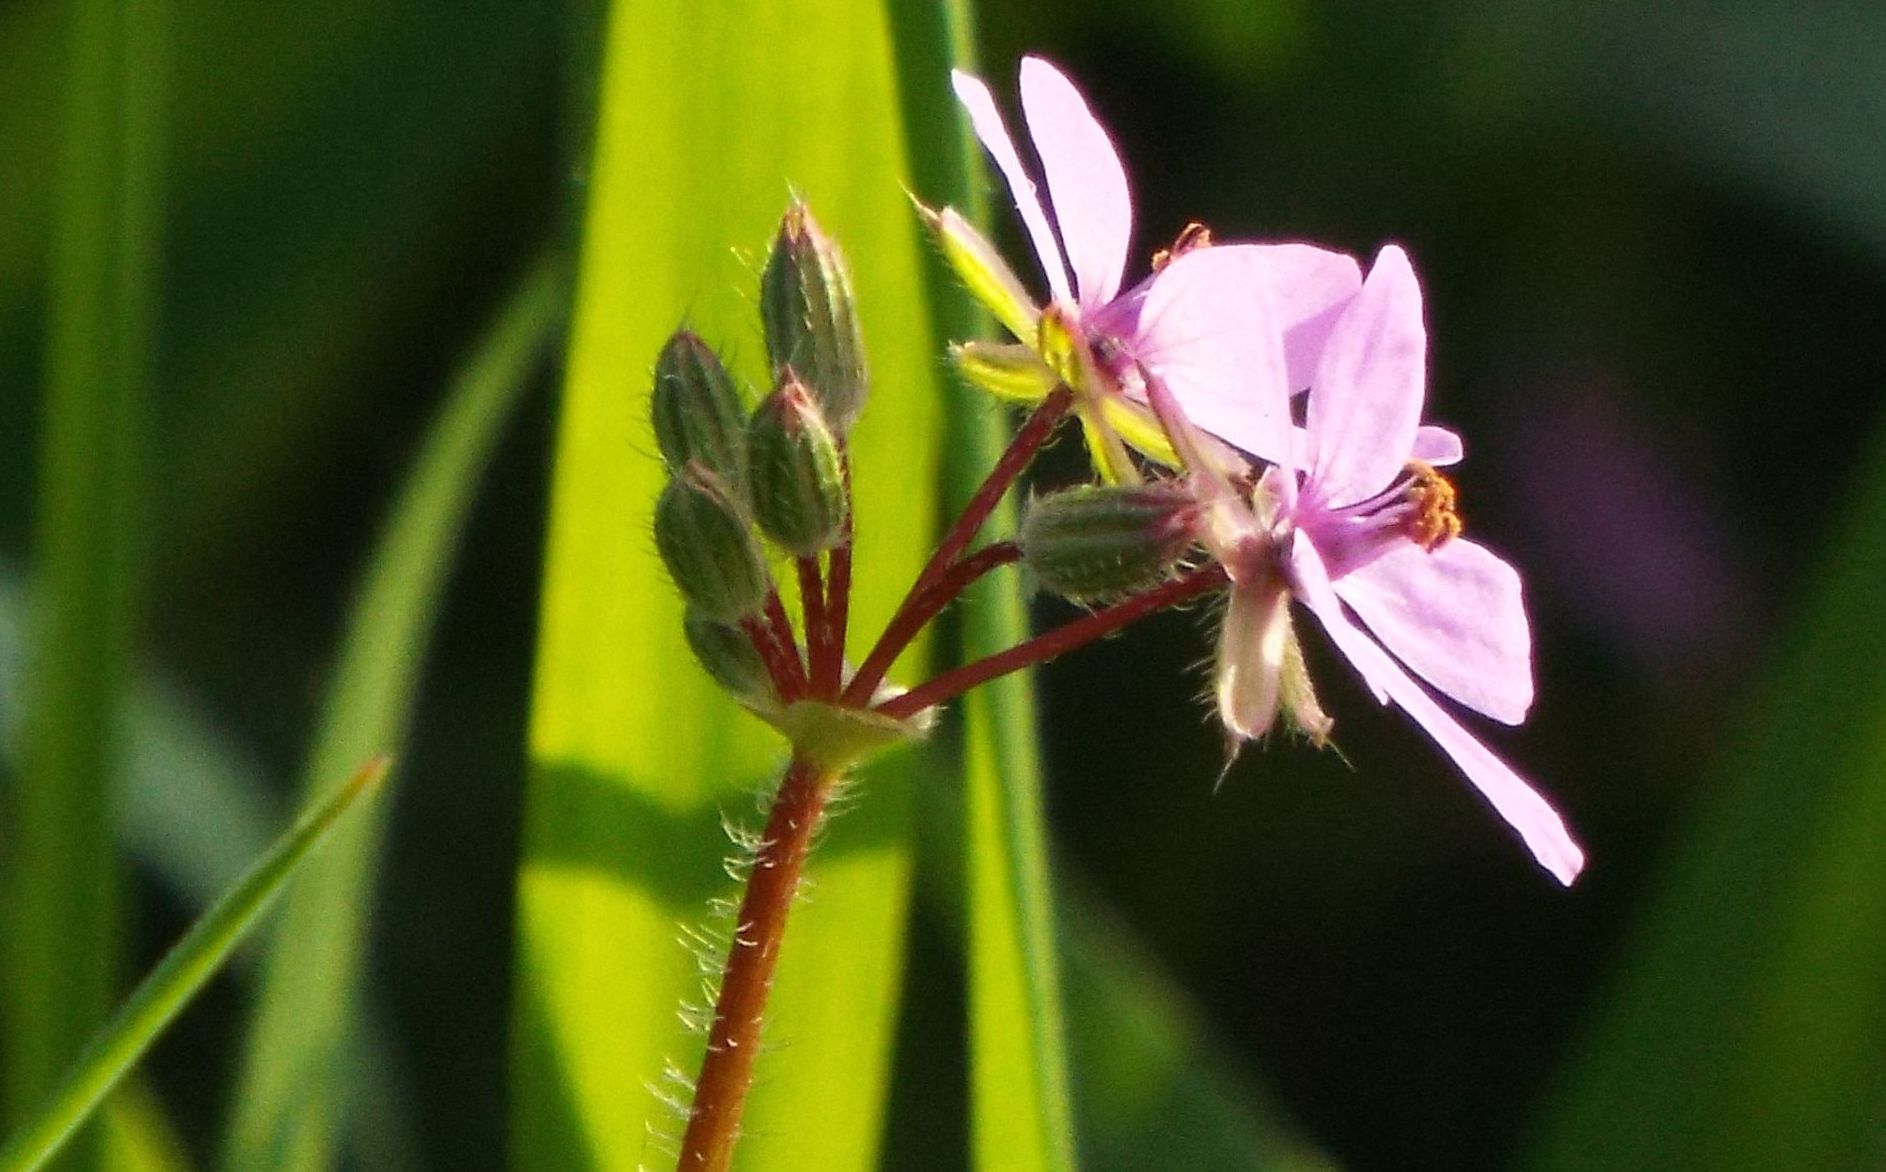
[(1435, 518), (1194, 235)]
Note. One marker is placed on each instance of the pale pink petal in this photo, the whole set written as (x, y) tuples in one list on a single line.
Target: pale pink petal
[(1437, 446), (1310, 287), (1454, 617), (1207, 328), (987, 121), (1538, 824), (1086, 182), (1366, 400)]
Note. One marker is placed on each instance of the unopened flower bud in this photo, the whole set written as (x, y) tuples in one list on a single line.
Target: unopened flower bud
[(810, 321), (708, 547), (696, 408), (730, 657), (794, 472), (1103, 541)]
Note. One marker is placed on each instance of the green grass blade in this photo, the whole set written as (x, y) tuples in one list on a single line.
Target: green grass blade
[(707, 120), (1155, 1091), (62, 907), (1021, 1117), (176, 979), (1744, 1028), (291, 1097), (192, 809)]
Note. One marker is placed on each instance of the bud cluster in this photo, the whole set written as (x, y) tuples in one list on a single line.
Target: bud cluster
[(777, 474)]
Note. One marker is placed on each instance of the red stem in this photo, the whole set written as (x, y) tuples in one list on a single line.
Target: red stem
[(734, 1041), (776, 657), (1059, 641), (789, 645), (818, 635), (908, 620), (838, 587)]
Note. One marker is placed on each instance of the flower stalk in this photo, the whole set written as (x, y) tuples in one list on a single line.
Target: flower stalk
[(733, 1041), (921, 604)]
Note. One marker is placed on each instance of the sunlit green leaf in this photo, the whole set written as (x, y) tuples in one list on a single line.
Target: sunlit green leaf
[(293, 1094), (1744, 1027), (176, 979), (708, 120)]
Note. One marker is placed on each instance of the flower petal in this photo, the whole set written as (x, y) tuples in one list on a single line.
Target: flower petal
[(1086, 182), (1310, 288), (987, 121), (1366, 401), (1437, 445), (1251, 648), (1207, 327), (1455, 617), (1538, 824)]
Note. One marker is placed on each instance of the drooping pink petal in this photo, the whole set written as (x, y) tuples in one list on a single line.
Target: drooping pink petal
[(987, 121), (1366, 401), (1454, 617), (1251, 645), (1436, 445), (1086, 182), (1538, 824), (1207, 327)]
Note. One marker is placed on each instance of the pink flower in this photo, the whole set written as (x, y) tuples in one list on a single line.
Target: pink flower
[(1357, 526), (1189, 324)]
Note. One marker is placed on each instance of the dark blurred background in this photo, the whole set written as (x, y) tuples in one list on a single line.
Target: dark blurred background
[(1650, 238)]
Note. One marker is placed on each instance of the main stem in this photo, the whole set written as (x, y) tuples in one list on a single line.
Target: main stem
[(734, 1041)]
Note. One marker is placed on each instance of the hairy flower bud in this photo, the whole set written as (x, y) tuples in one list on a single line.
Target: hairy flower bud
[(730, 657), (708, 547), (1103, 541), (794, 471), (810, 321), (696, 408)]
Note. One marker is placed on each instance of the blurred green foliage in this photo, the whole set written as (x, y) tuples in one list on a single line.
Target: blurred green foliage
[(1651, 240)]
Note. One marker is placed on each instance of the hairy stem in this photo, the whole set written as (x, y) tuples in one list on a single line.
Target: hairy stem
[(909, 620), (734, 1041), (1059, 641)]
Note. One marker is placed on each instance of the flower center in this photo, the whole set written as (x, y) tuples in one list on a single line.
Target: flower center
[(1421, 506), (1434, 516)]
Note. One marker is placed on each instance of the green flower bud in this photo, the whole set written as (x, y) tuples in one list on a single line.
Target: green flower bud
[(810, 321), (696, 408), (729, 656), (1103, 541), (794, 471), (708, 547)]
